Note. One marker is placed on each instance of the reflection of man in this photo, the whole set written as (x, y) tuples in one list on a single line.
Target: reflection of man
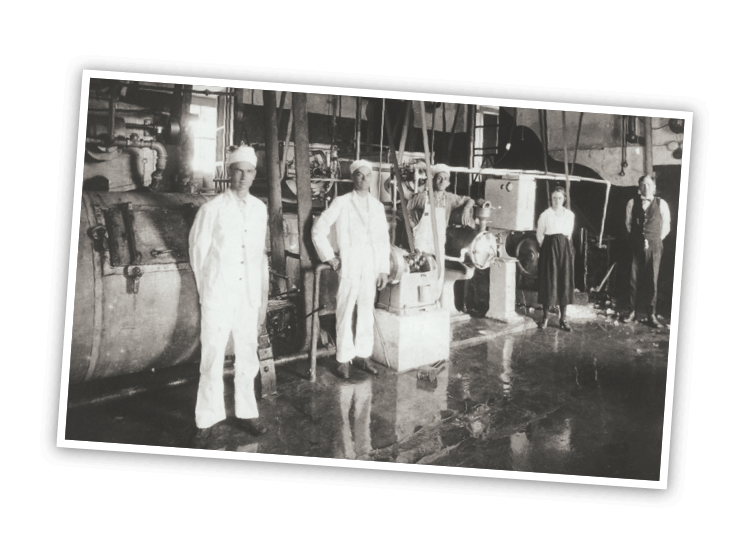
[(364, 251), (355, 441), (419, 212), (648, 222), (227, 253)]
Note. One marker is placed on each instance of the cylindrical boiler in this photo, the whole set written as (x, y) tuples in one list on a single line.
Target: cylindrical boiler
[(136, 303)]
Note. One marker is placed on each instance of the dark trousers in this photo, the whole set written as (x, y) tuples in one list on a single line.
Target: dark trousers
[(644, 273)]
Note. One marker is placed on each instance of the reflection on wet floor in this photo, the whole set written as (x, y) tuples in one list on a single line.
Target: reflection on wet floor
[(586, 403)]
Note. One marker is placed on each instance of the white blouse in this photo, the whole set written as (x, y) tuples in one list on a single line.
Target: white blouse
[(552, 223)]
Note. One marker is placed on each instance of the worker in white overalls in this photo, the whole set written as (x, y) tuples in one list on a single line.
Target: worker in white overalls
[(363, 256), (419, 212), (227, 253)]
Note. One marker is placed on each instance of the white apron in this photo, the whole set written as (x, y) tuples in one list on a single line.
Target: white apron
[(423, 238)]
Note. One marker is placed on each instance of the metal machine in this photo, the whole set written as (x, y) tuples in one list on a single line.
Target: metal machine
[(413, 283)]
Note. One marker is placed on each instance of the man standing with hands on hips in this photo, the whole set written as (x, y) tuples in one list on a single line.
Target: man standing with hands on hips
[(647, 219), (362, 258), (227, 253)]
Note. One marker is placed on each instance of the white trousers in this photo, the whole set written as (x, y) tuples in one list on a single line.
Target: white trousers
[(359, 293), (216, 325)]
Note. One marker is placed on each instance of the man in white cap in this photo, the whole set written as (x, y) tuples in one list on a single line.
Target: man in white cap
[(227, 253), (419, 212), (362, 258)]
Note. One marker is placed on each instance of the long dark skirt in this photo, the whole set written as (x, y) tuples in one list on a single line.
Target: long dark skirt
[(556, 271)]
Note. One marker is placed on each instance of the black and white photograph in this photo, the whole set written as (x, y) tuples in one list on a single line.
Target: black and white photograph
[(374, 279)]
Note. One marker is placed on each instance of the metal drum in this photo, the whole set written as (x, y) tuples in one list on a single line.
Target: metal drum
[(136, 303), (470, 247)]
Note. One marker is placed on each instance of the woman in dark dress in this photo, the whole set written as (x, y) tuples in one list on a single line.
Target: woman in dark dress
[(553, 231)]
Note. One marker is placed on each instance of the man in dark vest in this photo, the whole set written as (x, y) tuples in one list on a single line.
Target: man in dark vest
[(647, 219)]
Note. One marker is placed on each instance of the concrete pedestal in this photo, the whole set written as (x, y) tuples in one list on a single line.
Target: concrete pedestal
[(503, 290), (448, 297), (406, 342)]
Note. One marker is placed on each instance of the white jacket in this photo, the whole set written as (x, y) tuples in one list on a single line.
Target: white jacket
[(227, 252), (353, 241)]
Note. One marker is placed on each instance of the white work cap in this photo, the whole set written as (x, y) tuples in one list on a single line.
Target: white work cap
[(440, 168), (358, 164), (242, 154)]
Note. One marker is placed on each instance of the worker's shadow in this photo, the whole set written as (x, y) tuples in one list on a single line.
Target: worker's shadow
[(353, 439)]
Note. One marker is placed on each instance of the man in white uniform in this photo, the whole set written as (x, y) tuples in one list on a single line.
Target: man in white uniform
[(227, 253), (419, 212), (363, 258)]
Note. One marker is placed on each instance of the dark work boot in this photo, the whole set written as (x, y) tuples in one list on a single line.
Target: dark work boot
[(252, 425), (630, 317), (342, 370), (367, 365), (202, 437)]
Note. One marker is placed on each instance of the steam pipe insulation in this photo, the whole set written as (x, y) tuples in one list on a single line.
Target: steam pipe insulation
[(161, 153)]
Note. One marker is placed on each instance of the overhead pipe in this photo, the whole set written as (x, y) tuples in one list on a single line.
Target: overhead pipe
[(304, 204), (649, 147), (275, 218)]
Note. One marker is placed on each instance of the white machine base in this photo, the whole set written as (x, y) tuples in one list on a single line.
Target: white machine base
[(448, 297), (503, 291), (406, 342)]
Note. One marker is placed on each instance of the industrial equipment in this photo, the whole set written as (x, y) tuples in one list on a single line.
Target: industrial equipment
[(136, 303), (413, 283)]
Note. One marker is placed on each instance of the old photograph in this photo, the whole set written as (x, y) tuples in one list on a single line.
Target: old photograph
[(394, 281)]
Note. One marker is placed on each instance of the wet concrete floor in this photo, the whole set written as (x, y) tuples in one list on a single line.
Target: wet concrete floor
[(588, 403)]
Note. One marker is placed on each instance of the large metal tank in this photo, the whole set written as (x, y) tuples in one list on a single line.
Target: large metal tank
[(136, 303)]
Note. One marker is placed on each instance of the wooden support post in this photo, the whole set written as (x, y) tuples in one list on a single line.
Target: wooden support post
[(275, 219), (648, 158), (565, 157), (304, 205)]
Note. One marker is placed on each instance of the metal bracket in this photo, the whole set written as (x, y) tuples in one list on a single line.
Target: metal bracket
[(129, 219), (135, 273)]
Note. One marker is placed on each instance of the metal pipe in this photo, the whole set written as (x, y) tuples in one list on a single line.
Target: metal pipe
[(471, 125), (648, 147), (319, 269), (431, 194), (161, 153), (545, 147), (304, 203), (453, 133), (404, 133), (565, 157), (358, 126), (604, 215), (578, 141), (287, 138), (112, 112), (397, 172), (275, 219)]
